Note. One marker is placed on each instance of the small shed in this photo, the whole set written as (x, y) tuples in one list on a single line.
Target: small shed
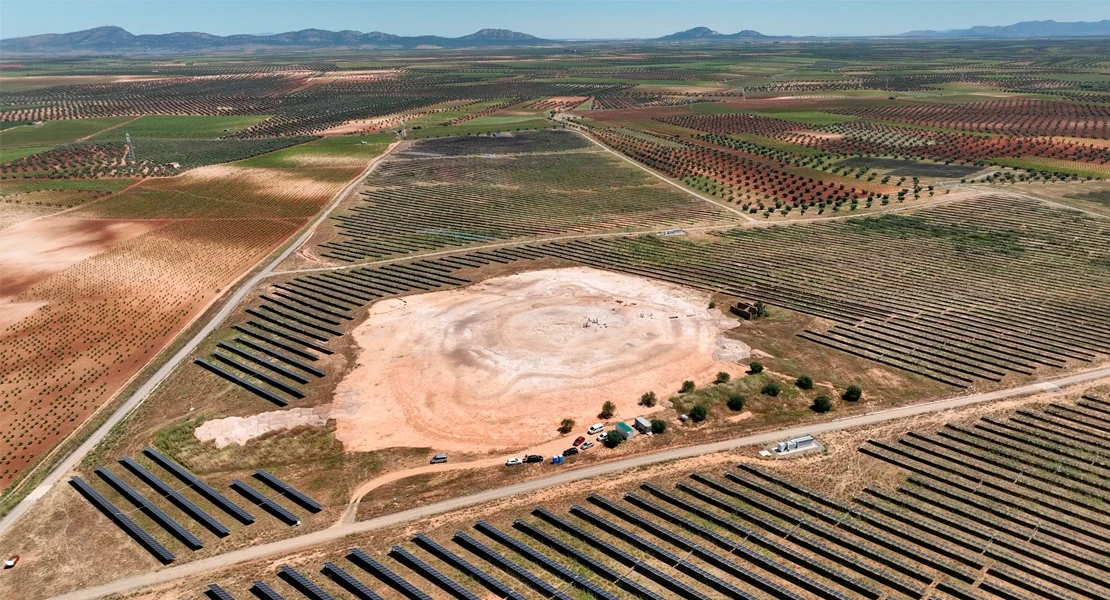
[(624, 431), (642, 424), (744, 310)]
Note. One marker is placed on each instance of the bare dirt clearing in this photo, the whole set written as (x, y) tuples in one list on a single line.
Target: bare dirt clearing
[(502, 362), (499, 364), (32, 251)]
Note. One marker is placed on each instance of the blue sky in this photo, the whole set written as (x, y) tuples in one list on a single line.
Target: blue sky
[(558, 20)]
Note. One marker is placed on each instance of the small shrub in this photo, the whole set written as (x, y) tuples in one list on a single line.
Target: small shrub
[(699, 413), (648, 399), (687, 387), (658, 426), (736, 402), (822, 404), (566, 426), (771, 389), (723, 377), (755, 367), (805, 382), (613, 439), (607, 410), (712, 304), (852, 394)]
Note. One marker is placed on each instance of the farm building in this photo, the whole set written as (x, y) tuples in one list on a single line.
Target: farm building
[(642, 424)]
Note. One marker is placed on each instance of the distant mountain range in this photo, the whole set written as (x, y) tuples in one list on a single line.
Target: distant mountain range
[(705, 34), (1026, 29), (115, 40)]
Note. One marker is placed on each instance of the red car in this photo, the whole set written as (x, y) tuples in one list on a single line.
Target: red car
[(579, 441)]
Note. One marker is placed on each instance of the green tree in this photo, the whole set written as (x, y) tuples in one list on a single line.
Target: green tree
[(687, 387), (760, 309), (658, 426), (805, 382), (736, 402), (613, 439), (755, 367), (770, 389), (607, 410), (566, 426), (723, 377), (699, 413), (648, 399), (853, 393), (822, 404)]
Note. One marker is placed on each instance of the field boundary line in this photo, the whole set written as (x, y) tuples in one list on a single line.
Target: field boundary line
[(330, 534), (154, 382)]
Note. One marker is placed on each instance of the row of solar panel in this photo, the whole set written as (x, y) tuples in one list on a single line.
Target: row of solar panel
[(293, 322), (184, 504)]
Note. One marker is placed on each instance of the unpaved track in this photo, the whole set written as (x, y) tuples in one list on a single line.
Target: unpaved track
[(567, 477), (164, 371)]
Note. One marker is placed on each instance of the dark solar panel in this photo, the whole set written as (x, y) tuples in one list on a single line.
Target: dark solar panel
[(174, 496), (219, 593), (264, 591), (454, 560), (304, 584), (349, 582), (202, 488), (150, 509), (449, 585), (154, 546), (257, 497), (286, 489), (394, 580)]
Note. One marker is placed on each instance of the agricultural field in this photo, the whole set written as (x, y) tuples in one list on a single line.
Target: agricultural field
[(347, 265)]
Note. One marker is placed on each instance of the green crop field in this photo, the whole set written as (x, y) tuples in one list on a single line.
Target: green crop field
[(52, 133), (179, 127)]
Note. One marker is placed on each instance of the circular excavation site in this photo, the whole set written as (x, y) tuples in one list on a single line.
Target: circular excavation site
[(499, 364)]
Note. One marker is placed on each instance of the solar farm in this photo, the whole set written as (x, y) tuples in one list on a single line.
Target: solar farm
[(370, 323), (1003, 507)]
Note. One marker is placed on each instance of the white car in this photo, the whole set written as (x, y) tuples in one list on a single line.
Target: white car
[(596, 427), (601, 438), (513, 461), (586, 446)]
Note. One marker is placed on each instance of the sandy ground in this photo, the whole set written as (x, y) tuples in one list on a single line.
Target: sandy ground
[(240, 430), (497, 366), (32, 251)]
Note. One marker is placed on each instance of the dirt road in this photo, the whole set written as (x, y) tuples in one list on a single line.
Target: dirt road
[(129, 584)]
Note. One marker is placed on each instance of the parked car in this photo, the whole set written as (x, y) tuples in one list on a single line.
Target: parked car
[(578, 440), (513, 462), (596, 427), (586, 446), (439, 458), (604, 434), (570, 451), (11, 562), (533, 458)]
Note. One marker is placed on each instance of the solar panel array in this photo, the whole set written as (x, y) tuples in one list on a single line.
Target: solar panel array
[(202, 488), (751, 534), (262, 500), (287, 490), (151, 510), (292, 324), (187, 506), (219, 593), (154, 546), (302, 583)]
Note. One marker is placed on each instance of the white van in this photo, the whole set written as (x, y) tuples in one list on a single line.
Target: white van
[(596, 427)]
